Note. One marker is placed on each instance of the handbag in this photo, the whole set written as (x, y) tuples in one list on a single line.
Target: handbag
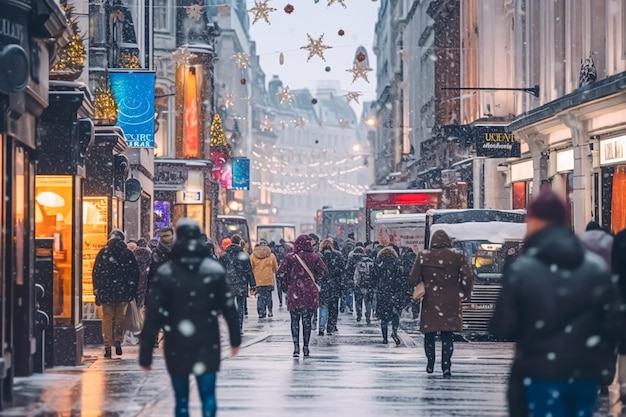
[(419, 291), (306, 268), (134, 318)]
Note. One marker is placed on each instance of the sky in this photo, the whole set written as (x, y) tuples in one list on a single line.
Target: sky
[(288, 32)]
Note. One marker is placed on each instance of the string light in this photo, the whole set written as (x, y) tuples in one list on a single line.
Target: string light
[(71, 58)]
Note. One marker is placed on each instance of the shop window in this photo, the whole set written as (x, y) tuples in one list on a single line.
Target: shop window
[(54, 200), (162, 10), (162, 215), (519, 195), (196, 212), (19, 237), (618, 200), (95, 236)]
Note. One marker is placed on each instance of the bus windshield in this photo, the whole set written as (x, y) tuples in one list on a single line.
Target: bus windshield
[(227, 226), (341, 223), (274, 233)]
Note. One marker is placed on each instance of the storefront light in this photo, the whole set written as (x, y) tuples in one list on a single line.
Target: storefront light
[(233, 205), (50, 199)]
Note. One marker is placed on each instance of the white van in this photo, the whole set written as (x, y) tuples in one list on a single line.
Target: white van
[(402, 230)]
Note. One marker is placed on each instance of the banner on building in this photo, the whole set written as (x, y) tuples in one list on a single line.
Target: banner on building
[(241, 174), (134, 93), (494, 142)]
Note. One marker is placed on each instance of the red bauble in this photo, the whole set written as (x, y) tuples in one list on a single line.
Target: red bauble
[(360, 57), (341, 32), (243, 81), (314, 101), (289, 9)]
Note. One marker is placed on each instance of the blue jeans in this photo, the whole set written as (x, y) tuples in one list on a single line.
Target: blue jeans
[(264, 300), (323, 318), (241, 302), (363, 296), (206, 388), (561, 399)]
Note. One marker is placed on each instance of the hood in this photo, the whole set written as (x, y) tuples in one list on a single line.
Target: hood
[(189, 252), (556, 245), (116, 245), (597, 241), (387, 251), (261, 252), (303, 244), (440, 239), (143, 254)]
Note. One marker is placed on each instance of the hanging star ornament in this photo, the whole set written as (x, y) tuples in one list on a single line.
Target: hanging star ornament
[(195, 11), (267, 124), (183, 56), (353, 95), (261, 10), (359, 71), (242, 60), (342, 2), (229, 100), (316, 47), (285, 95)]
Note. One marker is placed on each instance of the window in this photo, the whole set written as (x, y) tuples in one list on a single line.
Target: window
[(162, 15)]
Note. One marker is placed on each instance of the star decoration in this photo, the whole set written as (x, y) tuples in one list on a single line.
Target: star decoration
[(353, 95), (266, 124), (195, 11), (229, 100), (261, 11), (285, 95), (300, 122), (183, 56), (316, 47), (342, 2), (359, 71), (242, 60)]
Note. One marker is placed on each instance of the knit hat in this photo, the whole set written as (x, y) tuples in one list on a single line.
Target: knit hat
[(117, 234), (226, 243), (550, 207)]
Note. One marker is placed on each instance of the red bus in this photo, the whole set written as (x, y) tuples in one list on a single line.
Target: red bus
[(379, 202)]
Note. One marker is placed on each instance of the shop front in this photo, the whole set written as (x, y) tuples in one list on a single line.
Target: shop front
[(563, 179), (522, 174), (613, 177)]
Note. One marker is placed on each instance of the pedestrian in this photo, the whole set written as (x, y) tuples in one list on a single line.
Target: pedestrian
[(143, 255), (315, 241), (391, 285), (238, 274), (115, 277), (331, 286), (279, 252), (299, 273), (264, 267), (364, 288), (186, 298), (447, 279), (346, 299), (152, 244), (354, 258), (560, 306), (408, 257), (161, 253), (132, 245), (618, 262)]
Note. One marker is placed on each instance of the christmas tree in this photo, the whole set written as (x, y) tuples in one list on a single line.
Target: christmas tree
[(105, 105), (218, 139), (71, 58)]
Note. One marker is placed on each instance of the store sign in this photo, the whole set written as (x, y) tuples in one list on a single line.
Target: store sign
[(193, 191), (522, 171), (134, 93), (170, 178), (494, 142), (612, 150), (241, 174)]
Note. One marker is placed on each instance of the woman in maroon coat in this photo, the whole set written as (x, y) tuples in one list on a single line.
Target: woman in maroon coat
[(300, 284)]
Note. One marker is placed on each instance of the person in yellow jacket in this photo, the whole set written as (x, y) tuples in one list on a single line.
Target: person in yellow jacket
[(264, 266)]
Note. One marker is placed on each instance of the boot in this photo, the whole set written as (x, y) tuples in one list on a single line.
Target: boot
[(118, 348), (384, 330), (107, 353), (305, 351), (296, 351), (394, 336)]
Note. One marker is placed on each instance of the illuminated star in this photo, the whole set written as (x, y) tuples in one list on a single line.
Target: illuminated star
[(229, 100), (261, 11), (242, 60), (285, 95), (195, 11), (316, 47), (353, 95), (342, 2), (266, 124), (183, 56), (359, 71)]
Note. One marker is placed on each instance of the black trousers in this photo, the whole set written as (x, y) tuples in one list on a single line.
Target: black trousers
[(333, 314), (447, 347), (304, 316)]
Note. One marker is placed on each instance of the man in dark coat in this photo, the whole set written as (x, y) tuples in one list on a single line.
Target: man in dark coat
[(354, 258), (115, 278), (332, 284), (239, 274), (391, 288), (559, 305), (161, 253), (187, 295), (144, 258)]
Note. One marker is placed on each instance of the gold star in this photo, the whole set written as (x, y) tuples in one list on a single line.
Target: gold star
[(183, 56), (285, 95), (316, 47), (242, 60), (342, 2), (261, 11), (267, 124), (359, 71), (353, 95)]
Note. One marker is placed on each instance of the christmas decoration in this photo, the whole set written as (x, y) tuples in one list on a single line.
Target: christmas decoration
[(242, 60), (242, 81), (261, 11), (353, 95), (229, 100), (341, 32), (316, 47), (300, 122), (128, 61), (327, 69), (105, 106), (359, 71), (361, 57), (71, 58), (285, 95), (182, 56), (289, 9), (218, 139), (266, 124), (195, 11), (314, 101), (281, 58), (342, 2)]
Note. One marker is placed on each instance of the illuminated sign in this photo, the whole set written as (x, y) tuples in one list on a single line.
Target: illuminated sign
[(191, 143), (240, 174)]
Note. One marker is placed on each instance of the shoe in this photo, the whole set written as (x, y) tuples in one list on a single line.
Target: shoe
[(107, 353), (447, 374), (385, 342), (368, 320), (280, 305), (358, 319), (270, 314), (305, 351), (342, 310), (320, 334), (261, 316), (296, 351), (395, 338), (118, 348), (430, 367)]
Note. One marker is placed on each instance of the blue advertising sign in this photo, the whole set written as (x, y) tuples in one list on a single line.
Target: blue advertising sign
[(134, 93), (241, 173)]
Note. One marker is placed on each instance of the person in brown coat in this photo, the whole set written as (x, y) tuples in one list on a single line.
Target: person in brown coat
[(447, 280)]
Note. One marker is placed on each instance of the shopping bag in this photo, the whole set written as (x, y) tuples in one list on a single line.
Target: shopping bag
[(134, 318)]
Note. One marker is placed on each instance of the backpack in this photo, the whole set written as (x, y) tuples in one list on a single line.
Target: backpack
[(363, 273)]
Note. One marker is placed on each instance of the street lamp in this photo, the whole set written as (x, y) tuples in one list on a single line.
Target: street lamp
[(370, 121)]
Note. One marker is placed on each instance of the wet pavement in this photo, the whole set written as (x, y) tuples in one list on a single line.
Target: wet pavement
[(350, 373)]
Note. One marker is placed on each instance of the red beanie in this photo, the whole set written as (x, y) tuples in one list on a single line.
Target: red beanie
[(550, 207)]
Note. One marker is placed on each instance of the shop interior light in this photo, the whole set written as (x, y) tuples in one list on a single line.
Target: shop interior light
[(50, 199)]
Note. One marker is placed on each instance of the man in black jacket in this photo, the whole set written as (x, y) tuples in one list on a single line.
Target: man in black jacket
[(560, 306), (185, 300)]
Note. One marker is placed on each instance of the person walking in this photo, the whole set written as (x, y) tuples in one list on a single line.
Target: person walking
[(408, 257), (364, 288), (354, 258), (264, 267), (447, 279), (391, 286), (560, 307), (187, 295), (299, 273), (279, 252), (238, 274), (143, 255), (161, 253), (115, 278), (331, 285)]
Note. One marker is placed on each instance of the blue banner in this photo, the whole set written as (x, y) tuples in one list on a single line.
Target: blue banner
[(134, 93), (241, 173)]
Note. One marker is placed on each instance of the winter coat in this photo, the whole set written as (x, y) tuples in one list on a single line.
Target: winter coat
[(618, 261), (264, 266), (347, 247), (354, 258), (160, 255), (144, 258), (390, 284), (185, 300), (295, 281), (332, 283), (364, 274), (560, 306), (238, 270), (598, 242), (280, 251), (115, 274), (408, 258), (447, 279)]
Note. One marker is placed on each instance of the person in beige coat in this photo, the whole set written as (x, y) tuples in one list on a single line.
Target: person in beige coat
[(447, 280), (264, 266)]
